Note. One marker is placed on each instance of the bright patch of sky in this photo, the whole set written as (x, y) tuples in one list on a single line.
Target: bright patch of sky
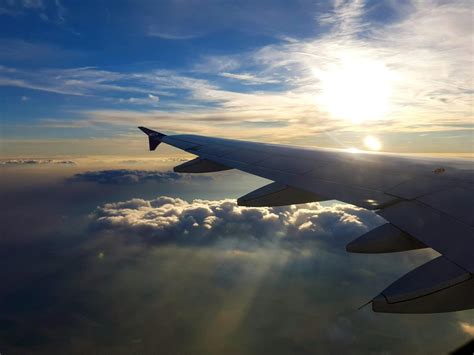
[(302, 72)]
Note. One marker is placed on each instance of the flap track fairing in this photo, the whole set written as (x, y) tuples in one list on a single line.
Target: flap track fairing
[(276, 194), (199, 165), (384, 239)]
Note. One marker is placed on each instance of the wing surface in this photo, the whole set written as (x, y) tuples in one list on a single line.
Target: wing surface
[(427, 202)]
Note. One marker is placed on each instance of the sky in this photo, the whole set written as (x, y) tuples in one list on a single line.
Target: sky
[(317, 73), (104, 249)]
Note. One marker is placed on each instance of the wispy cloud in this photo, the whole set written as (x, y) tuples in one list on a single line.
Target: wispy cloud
[(153, 32), (424, 56), (33, 4), (85, 81), (48, 11), (249, 78), (147, 100)]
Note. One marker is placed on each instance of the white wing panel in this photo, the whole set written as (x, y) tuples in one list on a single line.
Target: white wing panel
[(448, 236), (420, 186), (455, 201), (296, 166)]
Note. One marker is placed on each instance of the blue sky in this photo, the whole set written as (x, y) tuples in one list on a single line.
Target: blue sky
[(302, 72)]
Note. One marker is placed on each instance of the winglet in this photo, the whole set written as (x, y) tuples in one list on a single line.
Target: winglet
[(154, 137)]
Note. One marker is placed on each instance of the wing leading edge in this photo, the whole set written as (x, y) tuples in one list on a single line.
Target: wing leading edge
[(427, 203)]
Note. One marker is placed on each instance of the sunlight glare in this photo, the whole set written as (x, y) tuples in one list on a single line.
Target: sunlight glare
[(356, 89), (372, 143)]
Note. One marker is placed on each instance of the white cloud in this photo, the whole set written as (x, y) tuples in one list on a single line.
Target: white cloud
[(249, 78), (167, 218), (146, 100), (84, 81), (426, 53)]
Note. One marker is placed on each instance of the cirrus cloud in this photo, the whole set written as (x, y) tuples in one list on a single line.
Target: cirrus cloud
[(425, 51)]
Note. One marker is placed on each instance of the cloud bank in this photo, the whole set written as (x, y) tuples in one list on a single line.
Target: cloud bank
[(221, 282), (202, 221), (127, 177), (32, 162)]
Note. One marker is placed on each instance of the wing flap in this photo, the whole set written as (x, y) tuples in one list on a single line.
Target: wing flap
[(199, 165), (276, 194), (436, 286), (384, 239), (445, 234)]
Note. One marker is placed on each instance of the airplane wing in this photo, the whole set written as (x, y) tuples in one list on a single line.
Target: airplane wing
[(427, 203)]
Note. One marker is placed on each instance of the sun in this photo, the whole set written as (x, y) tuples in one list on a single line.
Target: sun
[(372, 143), (355, 89)]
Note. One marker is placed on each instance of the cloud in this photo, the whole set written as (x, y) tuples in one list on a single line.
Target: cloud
[(159, 159), (467, 328), (82, 81), (33, 4), (249, 78), (60, 11), (16, 162), (147, 100), (227, 295), (152, 32), (202, 221), (423, 51), (126, 177), (49, 11)]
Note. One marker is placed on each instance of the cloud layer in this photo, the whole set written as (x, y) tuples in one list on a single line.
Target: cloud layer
[(127, 177), (280, 90), (30, 162), (167, 218), (201, 277)]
